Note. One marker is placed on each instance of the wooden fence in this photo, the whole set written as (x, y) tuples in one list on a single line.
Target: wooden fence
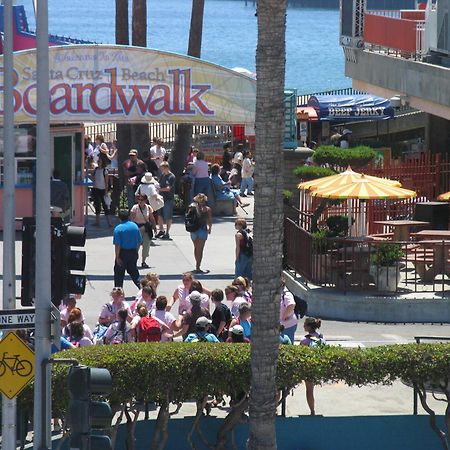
[(428, 175)]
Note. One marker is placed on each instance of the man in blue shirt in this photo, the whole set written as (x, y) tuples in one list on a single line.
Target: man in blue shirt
[(127, 240)]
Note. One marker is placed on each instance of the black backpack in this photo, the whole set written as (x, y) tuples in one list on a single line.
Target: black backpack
[(192, 219), (301, 306), (248, 243)]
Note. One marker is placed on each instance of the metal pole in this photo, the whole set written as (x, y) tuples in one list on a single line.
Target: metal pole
[(9, 209), (42, 392)]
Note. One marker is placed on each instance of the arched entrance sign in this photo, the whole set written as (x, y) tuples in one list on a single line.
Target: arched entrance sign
[(111, 83)]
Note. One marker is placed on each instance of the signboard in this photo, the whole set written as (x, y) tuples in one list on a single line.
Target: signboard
[(351, 107), (16, 318), (111, 83), (16, 365)]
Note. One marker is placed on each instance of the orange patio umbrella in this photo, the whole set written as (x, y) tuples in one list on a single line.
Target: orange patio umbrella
[(342, 179), (363, 188)]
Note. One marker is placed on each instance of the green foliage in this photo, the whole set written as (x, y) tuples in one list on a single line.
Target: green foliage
[(287, 196), (337, 226), (307, 173), (387, 254), (180, 372), (343, 157)]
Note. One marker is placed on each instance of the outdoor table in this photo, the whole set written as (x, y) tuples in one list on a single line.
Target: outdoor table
[(402, 227), (432, 234), (428, 266)]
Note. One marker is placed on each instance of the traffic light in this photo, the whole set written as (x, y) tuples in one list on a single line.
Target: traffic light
[(86, 415), (74, 260), (63, 260)]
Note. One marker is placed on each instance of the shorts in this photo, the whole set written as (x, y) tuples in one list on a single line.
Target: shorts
[(201, 233), (166, 212)]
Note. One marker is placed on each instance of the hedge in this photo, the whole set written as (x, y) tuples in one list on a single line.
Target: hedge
[(180, 372), (343, 157), (307, 173)]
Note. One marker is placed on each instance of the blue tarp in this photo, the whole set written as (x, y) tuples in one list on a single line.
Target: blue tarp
[(351, 107)]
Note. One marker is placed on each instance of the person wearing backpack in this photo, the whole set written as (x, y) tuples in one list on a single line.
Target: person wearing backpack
[(202, 333), (312, 339), (198, 221), (148, 328), (243, 265), (119, 332)]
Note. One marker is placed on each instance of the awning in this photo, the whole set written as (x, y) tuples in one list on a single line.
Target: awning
[(306, 113), (351, 107)]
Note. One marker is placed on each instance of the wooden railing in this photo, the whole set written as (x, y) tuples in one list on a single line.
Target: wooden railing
[(346, 263)]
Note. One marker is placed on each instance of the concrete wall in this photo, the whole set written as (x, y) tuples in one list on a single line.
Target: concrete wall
[(427, 86), (333, 304), (302, 433)]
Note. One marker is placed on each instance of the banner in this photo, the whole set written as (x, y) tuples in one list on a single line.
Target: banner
[(351, 107), (110, 83)]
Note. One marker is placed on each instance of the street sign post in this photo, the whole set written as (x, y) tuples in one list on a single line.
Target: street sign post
[(14, 319), (16, 365)]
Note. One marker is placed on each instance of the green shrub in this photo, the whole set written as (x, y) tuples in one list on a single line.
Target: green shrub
[(307, 173), (343, 157), (181, 372), (387, 254)]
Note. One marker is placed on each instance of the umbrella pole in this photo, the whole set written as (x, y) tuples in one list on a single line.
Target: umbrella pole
[(362, 218), (349, 216)]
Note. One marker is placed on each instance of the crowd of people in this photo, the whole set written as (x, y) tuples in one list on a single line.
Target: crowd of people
[(192, 313), (201, 314)]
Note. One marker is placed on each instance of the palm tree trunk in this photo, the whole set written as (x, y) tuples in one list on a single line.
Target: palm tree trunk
[(183, 137), (123, 135), (268, 225), (139, 132)]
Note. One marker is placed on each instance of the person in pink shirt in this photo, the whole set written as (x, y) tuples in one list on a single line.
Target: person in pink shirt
[(200, 173), (232, 295), (148, 298), (311, 339), (181, 292), (109, 311), (159, 312)]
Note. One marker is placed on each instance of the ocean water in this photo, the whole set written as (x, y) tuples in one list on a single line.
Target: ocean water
[(314, 59)]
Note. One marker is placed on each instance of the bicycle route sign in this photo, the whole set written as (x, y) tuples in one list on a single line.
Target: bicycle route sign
[(13, 319), (16, 365)]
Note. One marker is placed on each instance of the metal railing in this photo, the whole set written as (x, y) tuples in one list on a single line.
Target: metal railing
[(349, 263)]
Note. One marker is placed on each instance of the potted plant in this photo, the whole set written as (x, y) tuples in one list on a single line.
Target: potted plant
[(385, 266)]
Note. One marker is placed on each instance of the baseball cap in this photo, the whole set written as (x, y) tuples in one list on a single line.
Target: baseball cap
[(203, 322), (133, 152), (237, 329), (195, 297)]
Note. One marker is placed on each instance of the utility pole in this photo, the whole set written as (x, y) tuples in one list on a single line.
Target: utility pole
[(42, 386), (9, 226)]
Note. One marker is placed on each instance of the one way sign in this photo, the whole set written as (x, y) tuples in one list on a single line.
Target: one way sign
[(13, 319)]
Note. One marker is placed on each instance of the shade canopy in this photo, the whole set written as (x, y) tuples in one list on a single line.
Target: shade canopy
[(342, 179), (363, 188), (351, 107), (445, 196)]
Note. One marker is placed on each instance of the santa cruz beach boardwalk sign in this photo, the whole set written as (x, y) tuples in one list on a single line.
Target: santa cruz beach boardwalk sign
[(115, 84)]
